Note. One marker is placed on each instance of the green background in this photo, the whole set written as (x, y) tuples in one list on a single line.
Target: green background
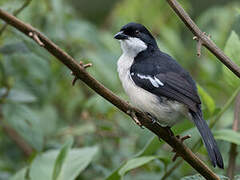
[(76, 134)]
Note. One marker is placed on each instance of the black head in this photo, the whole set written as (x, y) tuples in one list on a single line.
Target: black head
[(136, 30)]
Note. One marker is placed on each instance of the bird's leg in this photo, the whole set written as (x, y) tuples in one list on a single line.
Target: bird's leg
[(84, 66), (132, 113), (176, 155)]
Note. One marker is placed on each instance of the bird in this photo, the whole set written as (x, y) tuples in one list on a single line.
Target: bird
[(158, 85)]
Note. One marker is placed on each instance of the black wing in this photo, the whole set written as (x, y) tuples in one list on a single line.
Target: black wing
[(163, 76)]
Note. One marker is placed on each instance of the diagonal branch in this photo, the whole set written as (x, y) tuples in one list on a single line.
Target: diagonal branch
[(81, 73), (15, 13), (201, 36)]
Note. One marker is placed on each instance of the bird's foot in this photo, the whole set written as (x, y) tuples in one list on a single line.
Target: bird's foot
[(182, 139), (152, 118), (169, 131), (132, 113), (84, 66)]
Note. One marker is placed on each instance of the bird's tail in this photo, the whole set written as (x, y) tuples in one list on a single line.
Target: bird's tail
[(208, 139)]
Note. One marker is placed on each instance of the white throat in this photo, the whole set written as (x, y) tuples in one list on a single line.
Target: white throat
[(132, 46)]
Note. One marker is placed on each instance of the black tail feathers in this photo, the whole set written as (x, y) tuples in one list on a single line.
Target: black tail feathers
[(208, 139)]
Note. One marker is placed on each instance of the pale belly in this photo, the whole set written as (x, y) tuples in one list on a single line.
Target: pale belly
[(166, 112)]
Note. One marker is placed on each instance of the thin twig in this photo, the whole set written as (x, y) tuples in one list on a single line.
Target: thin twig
[(15, 13), (83, 65), (200, 43), (206, 41), (182, 139), (236, 114), (233, 149), (34, 36), (81, 73)]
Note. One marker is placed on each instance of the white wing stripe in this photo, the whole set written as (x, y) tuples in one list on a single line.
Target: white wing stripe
[(154, 81), (158, 81)]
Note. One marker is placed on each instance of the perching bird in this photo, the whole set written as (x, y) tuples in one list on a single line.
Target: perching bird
[(159, 86)]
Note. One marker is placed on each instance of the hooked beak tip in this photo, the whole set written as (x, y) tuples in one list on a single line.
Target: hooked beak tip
[(120, 36)]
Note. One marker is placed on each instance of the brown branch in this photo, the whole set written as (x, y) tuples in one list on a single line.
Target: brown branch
[(81, 73), (233, 149), (206, 41), (15, 13), (27, 150)]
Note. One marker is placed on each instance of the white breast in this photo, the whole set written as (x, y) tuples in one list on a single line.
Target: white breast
[(165, 111), (138, 96)]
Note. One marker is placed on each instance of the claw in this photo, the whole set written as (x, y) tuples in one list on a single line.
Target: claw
[(169, 131), (152, 118)]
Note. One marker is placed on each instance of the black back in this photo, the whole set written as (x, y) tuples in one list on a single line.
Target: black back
[(178, 84)]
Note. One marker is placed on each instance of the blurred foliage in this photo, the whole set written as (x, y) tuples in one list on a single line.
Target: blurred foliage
[(39, 103)]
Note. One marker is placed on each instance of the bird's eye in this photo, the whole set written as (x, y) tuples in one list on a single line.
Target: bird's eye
[(137, 32)]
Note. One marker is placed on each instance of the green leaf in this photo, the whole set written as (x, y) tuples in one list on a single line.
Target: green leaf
[(114, 175), (76, 161), (232, 50), (135, 163), (42, 166), (238, 10), (20, 175), (227, 135), (237, 177), (21, 96), (61, 157), (25, 121), (146, 155), (151, 147), (199, 177), (207, 99), (194, 177)]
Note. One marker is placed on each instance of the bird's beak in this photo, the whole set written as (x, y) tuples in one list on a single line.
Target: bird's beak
[(121, 36)]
